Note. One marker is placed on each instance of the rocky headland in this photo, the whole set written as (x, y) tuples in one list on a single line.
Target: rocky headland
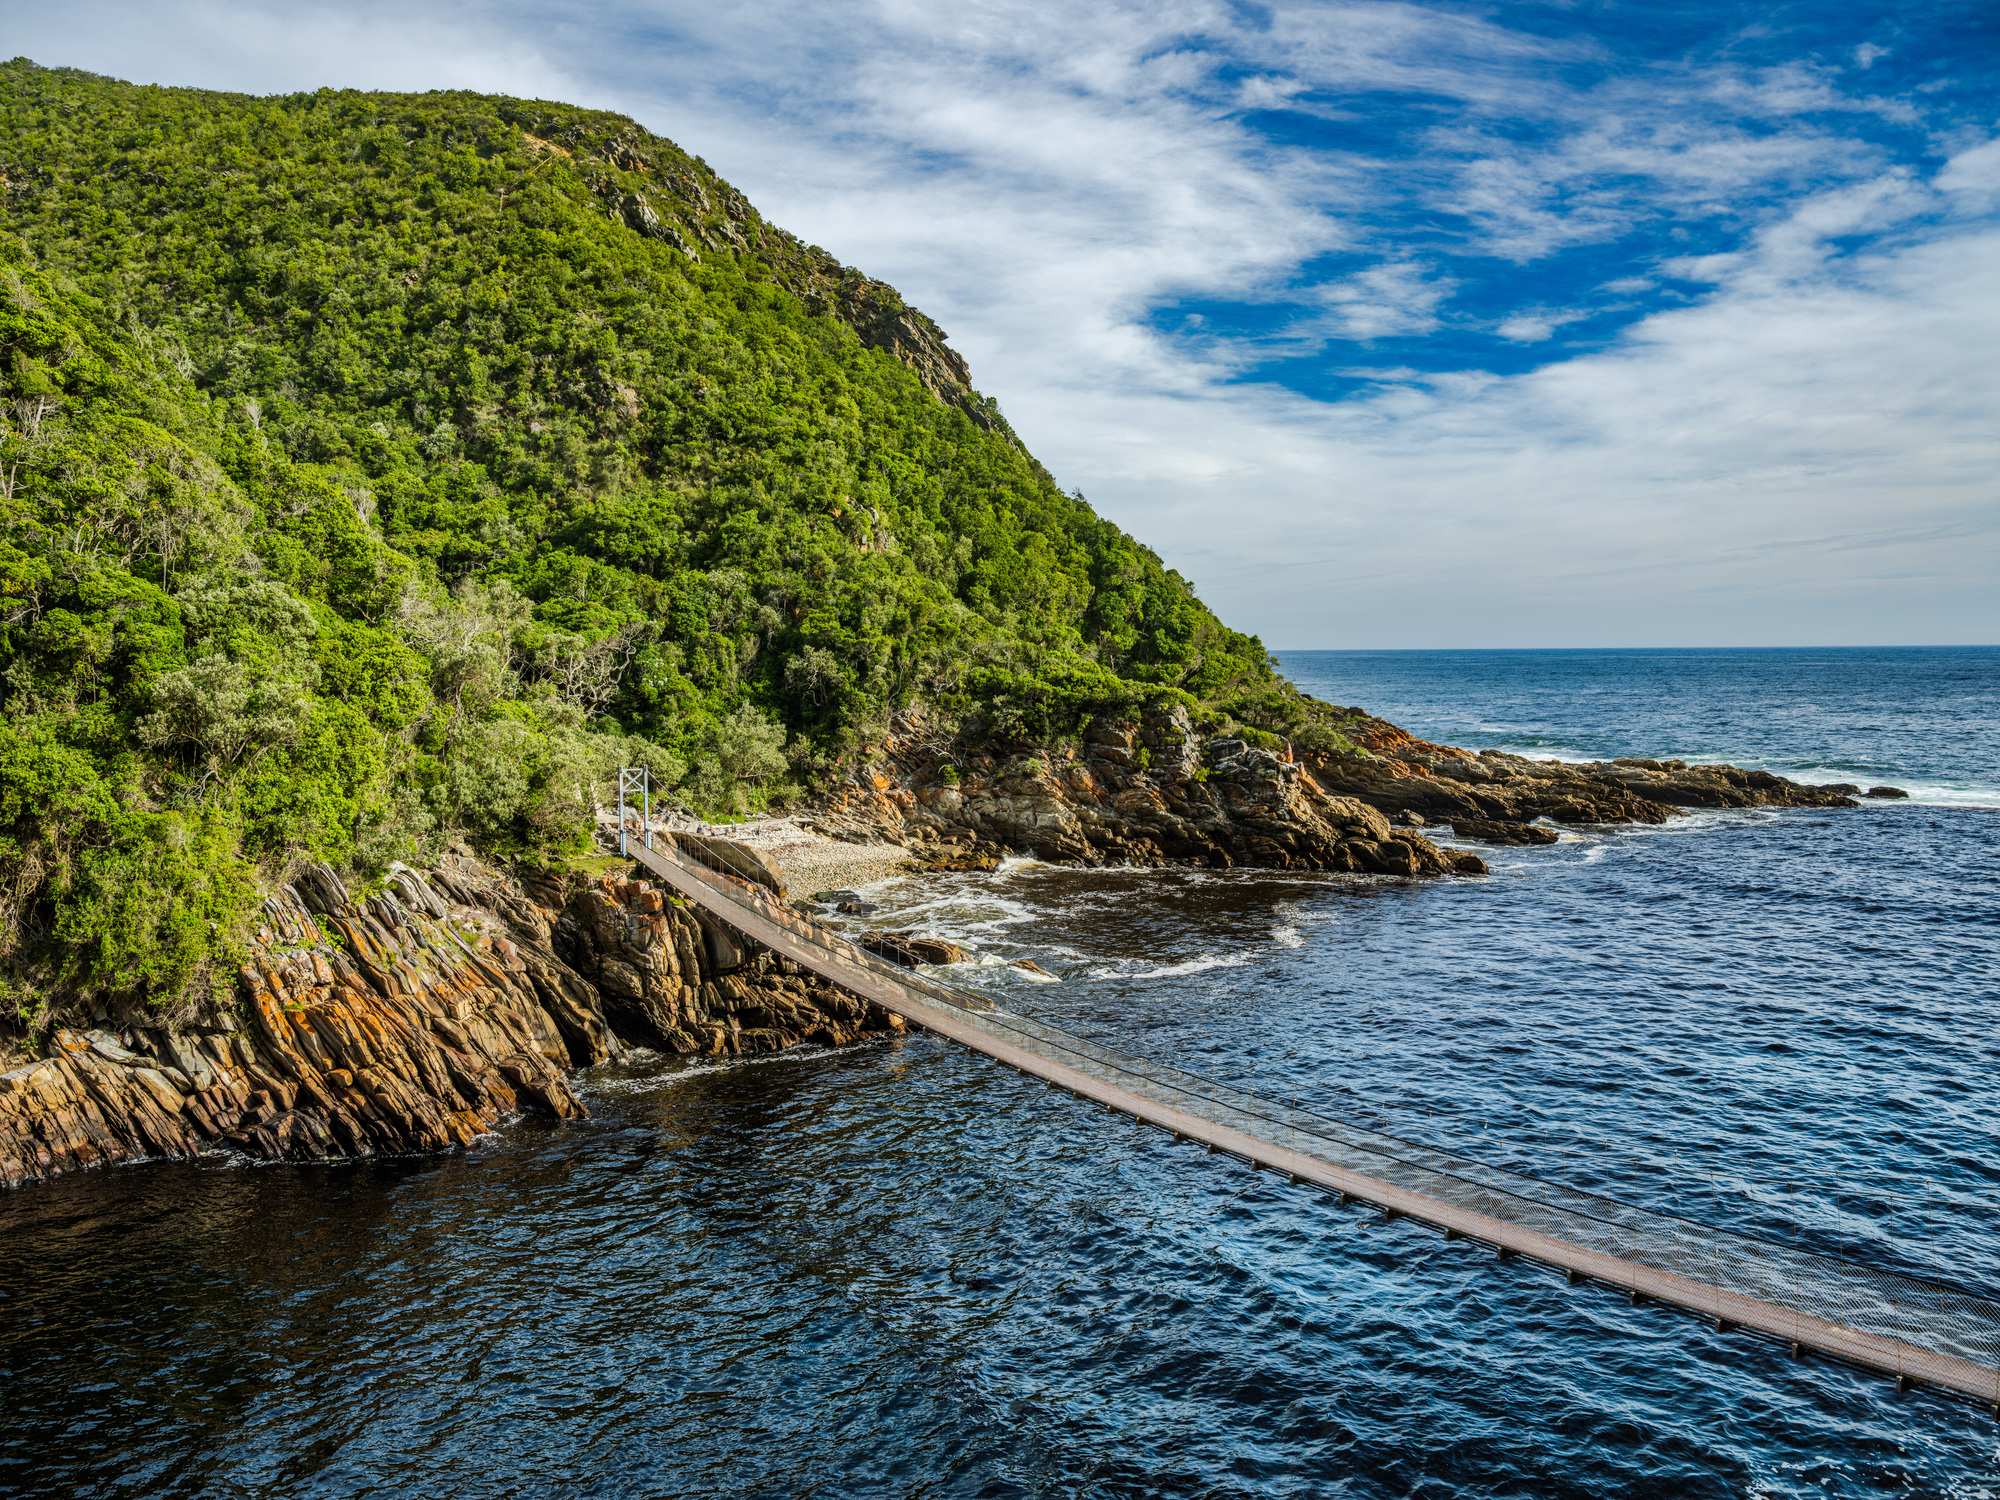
[(410, 1020), (1154, 789), (413, 1017)]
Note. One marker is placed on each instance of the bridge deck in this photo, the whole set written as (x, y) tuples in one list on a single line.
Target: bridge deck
[(1920, 1332)]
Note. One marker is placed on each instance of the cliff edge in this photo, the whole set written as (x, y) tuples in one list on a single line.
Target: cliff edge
[(1158, 789), (410, 1020)]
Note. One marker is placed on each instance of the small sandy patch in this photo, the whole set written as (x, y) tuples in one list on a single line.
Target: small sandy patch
[(807, 860), (811, 861)]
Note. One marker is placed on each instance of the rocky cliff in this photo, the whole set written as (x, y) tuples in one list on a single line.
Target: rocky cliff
[(415, 1017), (1155, 789), (1149, 790), (410, 1020)]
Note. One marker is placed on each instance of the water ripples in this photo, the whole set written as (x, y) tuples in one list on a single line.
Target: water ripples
[(900, 1269)]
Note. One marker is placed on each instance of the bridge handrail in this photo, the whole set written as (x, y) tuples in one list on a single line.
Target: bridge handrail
[(1960, 1326)]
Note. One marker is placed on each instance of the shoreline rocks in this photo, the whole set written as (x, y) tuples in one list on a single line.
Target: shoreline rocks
[(410, 1021), (912, 948), (1146, 791), (1401, 773), (1152, 790), (1516, 834)]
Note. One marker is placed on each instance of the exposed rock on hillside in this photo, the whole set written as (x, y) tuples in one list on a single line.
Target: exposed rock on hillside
[(412, 1020), (1144, 791), (662, 193), (1153, 790)]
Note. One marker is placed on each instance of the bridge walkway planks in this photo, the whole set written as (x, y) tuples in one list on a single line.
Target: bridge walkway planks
[(1262, 1136)]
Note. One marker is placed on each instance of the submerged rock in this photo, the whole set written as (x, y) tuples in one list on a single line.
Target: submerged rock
[(1487, 832), (911, 948)]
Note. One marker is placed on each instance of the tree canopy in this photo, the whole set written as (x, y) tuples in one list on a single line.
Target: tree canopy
[(380, 469)]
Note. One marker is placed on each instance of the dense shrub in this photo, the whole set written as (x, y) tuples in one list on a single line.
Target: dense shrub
[(378, 470)]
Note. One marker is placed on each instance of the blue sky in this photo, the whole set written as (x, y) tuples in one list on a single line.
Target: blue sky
[(1552, 190), (1389, 324)]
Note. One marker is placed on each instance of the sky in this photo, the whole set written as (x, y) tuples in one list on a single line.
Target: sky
[(1387, 324)]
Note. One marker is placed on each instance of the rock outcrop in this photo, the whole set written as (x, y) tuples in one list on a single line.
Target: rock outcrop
[(672, 977), (410, 1020), (1516, 834), (1153, 790), (1142, 791), (910, 948), (1401, 773)]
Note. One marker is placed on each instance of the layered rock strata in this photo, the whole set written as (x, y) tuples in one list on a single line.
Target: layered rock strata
[(1153, 790), (411, 1020), (672, 977), (1144, 791)]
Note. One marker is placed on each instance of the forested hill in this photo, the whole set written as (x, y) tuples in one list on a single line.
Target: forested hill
[(379, 470)]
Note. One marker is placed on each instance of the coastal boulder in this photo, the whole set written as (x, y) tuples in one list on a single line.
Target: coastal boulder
[(1487, 832), (911, 948)]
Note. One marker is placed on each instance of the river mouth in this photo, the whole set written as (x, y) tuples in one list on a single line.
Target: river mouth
[(898, 1268), (1770, 1019)]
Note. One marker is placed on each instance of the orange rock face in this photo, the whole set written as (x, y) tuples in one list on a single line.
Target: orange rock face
[(410, 1021)]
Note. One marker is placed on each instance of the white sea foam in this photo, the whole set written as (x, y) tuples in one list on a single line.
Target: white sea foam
[(1172, 971), (1923, 793), (1061, 950), (594, 1082), (1028, 977)]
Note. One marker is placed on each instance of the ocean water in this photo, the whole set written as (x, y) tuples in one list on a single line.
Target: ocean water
[(900, 1270), (1926, 718)]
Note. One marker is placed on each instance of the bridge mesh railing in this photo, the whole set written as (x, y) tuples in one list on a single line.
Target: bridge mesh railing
[(1909, 1309)]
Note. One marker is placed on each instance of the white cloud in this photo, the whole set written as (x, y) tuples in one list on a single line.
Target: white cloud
[(1973, 177), (1537, 325), (1397, 298), (1805, 454), (277, 47)]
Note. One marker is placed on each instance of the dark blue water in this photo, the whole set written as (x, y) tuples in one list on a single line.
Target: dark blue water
[(900, 1270), (1924, 717)]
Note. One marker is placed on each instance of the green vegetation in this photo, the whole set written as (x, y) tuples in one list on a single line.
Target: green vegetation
[(380, 470)]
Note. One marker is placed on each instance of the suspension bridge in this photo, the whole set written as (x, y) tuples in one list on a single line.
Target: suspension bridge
[(1918, 1333)]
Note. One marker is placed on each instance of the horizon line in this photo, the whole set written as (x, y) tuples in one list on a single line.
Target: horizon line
[(1920, 646)]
